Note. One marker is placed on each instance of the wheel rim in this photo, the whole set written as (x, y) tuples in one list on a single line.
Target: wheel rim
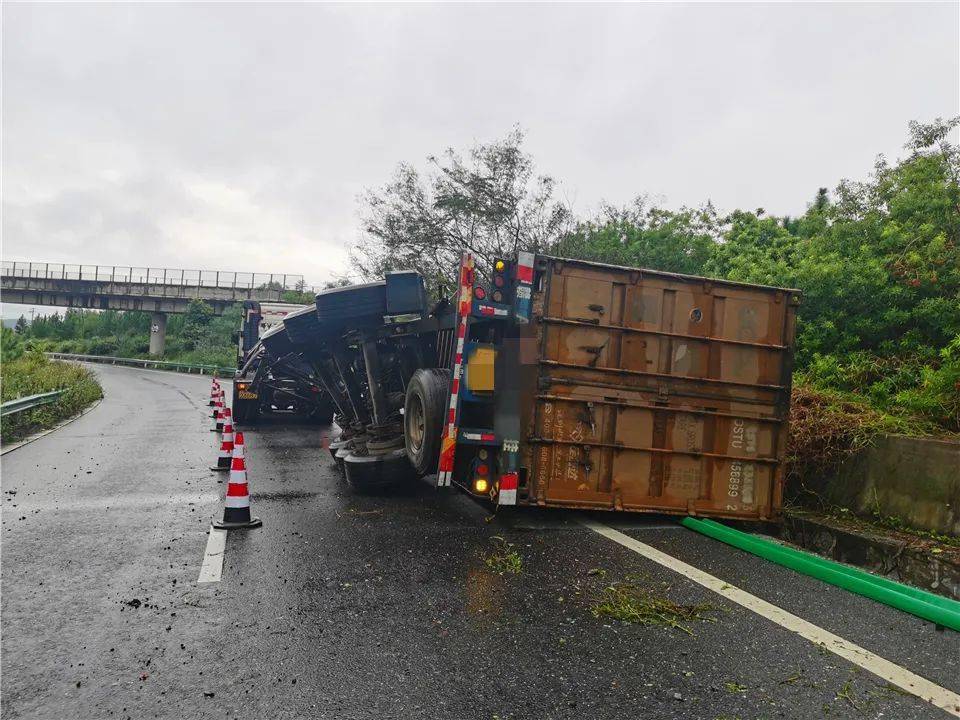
[(416, 424)]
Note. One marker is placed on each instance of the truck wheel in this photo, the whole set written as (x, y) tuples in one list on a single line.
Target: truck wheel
[(376, 473), (423, 413)]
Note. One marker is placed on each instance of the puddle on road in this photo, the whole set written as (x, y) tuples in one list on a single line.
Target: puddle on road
[(482, 589)]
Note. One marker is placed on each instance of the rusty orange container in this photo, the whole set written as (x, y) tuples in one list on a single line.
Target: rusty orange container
[(656, 392)]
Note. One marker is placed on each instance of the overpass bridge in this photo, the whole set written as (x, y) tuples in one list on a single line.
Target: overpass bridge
[(159, 291)]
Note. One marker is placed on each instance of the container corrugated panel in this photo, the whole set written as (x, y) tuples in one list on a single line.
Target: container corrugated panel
[(658, 392)]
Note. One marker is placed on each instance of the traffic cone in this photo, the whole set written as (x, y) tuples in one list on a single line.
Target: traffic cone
[(223, 458), (236, 504), (218, 417), (226, 443), (228, 427), (214, 394)]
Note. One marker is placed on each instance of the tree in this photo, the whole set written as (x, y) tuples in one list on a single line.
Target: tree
[(491, 203), (644, 235), (21, 327)]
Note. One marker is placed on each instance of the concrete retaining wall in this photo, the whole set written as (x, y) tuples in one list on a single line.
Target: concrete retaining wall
[(916, 480)]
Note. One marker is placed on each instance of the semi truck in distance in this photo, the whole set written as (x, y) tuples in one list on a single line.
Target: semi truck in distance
[(553, 382)]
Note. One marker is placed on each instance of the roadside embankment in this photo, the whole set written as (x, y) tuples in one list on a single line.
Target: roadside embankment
[(33, 374)]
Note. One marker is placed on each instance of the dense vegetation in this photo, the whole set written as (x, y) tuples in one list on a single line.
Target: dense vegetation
[(197, 336), (25, 373), (878, 261)]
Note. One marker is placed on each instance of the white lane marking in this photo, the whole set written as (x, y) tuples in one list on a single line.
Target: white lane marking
[(212, 567), (894, 674)]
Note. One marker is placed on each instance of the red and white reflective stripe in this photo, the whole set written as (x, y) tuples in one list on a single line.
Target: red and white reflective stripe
[(525, 267), (238, 498), (488, 310), (449, 440), (238, 470), (482, 437), (508, 489)]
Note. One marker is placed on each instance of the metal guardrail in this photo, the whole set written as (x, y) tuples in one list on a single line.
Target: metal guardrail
[(29, 402), (172, 365), (154, 276)]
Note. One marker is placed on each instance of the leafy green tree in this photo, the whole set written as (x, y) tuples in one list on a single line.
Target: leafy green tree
[(21, 327), (490, 203), (643, 235)]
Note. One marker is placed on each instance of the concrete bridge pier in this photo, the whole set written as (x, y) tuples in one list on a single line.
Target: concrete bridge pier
[(158, 333)]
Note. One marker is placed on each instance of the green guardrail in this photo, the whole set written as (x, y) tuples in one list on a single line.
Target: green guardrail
[(29, 402), (935, 608), (171, 365)]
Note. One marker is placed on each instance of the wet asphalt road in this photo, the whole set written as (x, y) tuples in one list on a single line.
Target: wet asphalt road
[(370, 607)]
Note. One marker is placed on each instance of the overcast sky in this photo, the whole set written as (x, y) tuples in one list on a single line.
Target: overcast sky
[(238, 137)]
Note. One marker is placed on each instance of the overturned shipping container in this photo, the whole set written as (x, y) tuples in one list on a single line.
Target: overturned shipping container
[(655, 391)]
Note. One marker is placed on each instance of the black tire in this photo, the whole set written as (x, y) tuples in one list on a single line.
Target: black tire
[(340, 306), (376, 473), (335, 445), (424, 410)]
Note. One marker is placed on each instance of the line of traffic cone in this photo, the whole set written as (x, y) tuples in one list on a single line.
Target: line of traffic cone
[(214, 392), (236, 503)]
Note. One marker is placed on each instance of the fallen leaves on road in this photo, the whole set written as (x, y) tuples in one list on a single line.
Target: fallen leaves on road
[(631, 604), (505, 560)]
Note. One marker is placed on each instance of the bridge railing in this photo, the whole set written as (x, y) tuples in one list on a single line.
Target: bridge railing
[(153, 276)]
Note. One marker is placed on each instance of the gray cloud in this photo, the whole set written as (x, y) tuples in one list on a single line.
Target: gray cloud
[(239, 136)]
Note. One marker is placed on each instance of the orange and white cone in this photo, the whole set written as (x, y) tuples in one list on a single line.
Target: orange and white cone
[(236, 504), (228, 426), (214, 392), (226, 444), (217, 417)]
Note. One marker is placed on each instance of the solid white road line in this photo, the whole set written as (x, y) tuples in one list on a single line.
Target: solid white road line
[(894, 674), (212, 567)]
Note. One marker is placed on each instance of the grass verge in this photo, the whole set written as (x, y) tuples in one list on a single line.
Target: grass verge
[(33, 374)]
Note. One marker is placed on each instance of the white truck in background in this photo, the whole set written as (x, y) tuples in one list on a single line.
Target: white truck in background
[(258, 317)]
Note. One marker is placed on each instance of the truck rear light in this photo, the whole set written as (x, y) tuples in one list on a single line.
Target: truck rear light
[(483, 469), (481, 485), (497, 296), (479, 293)]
